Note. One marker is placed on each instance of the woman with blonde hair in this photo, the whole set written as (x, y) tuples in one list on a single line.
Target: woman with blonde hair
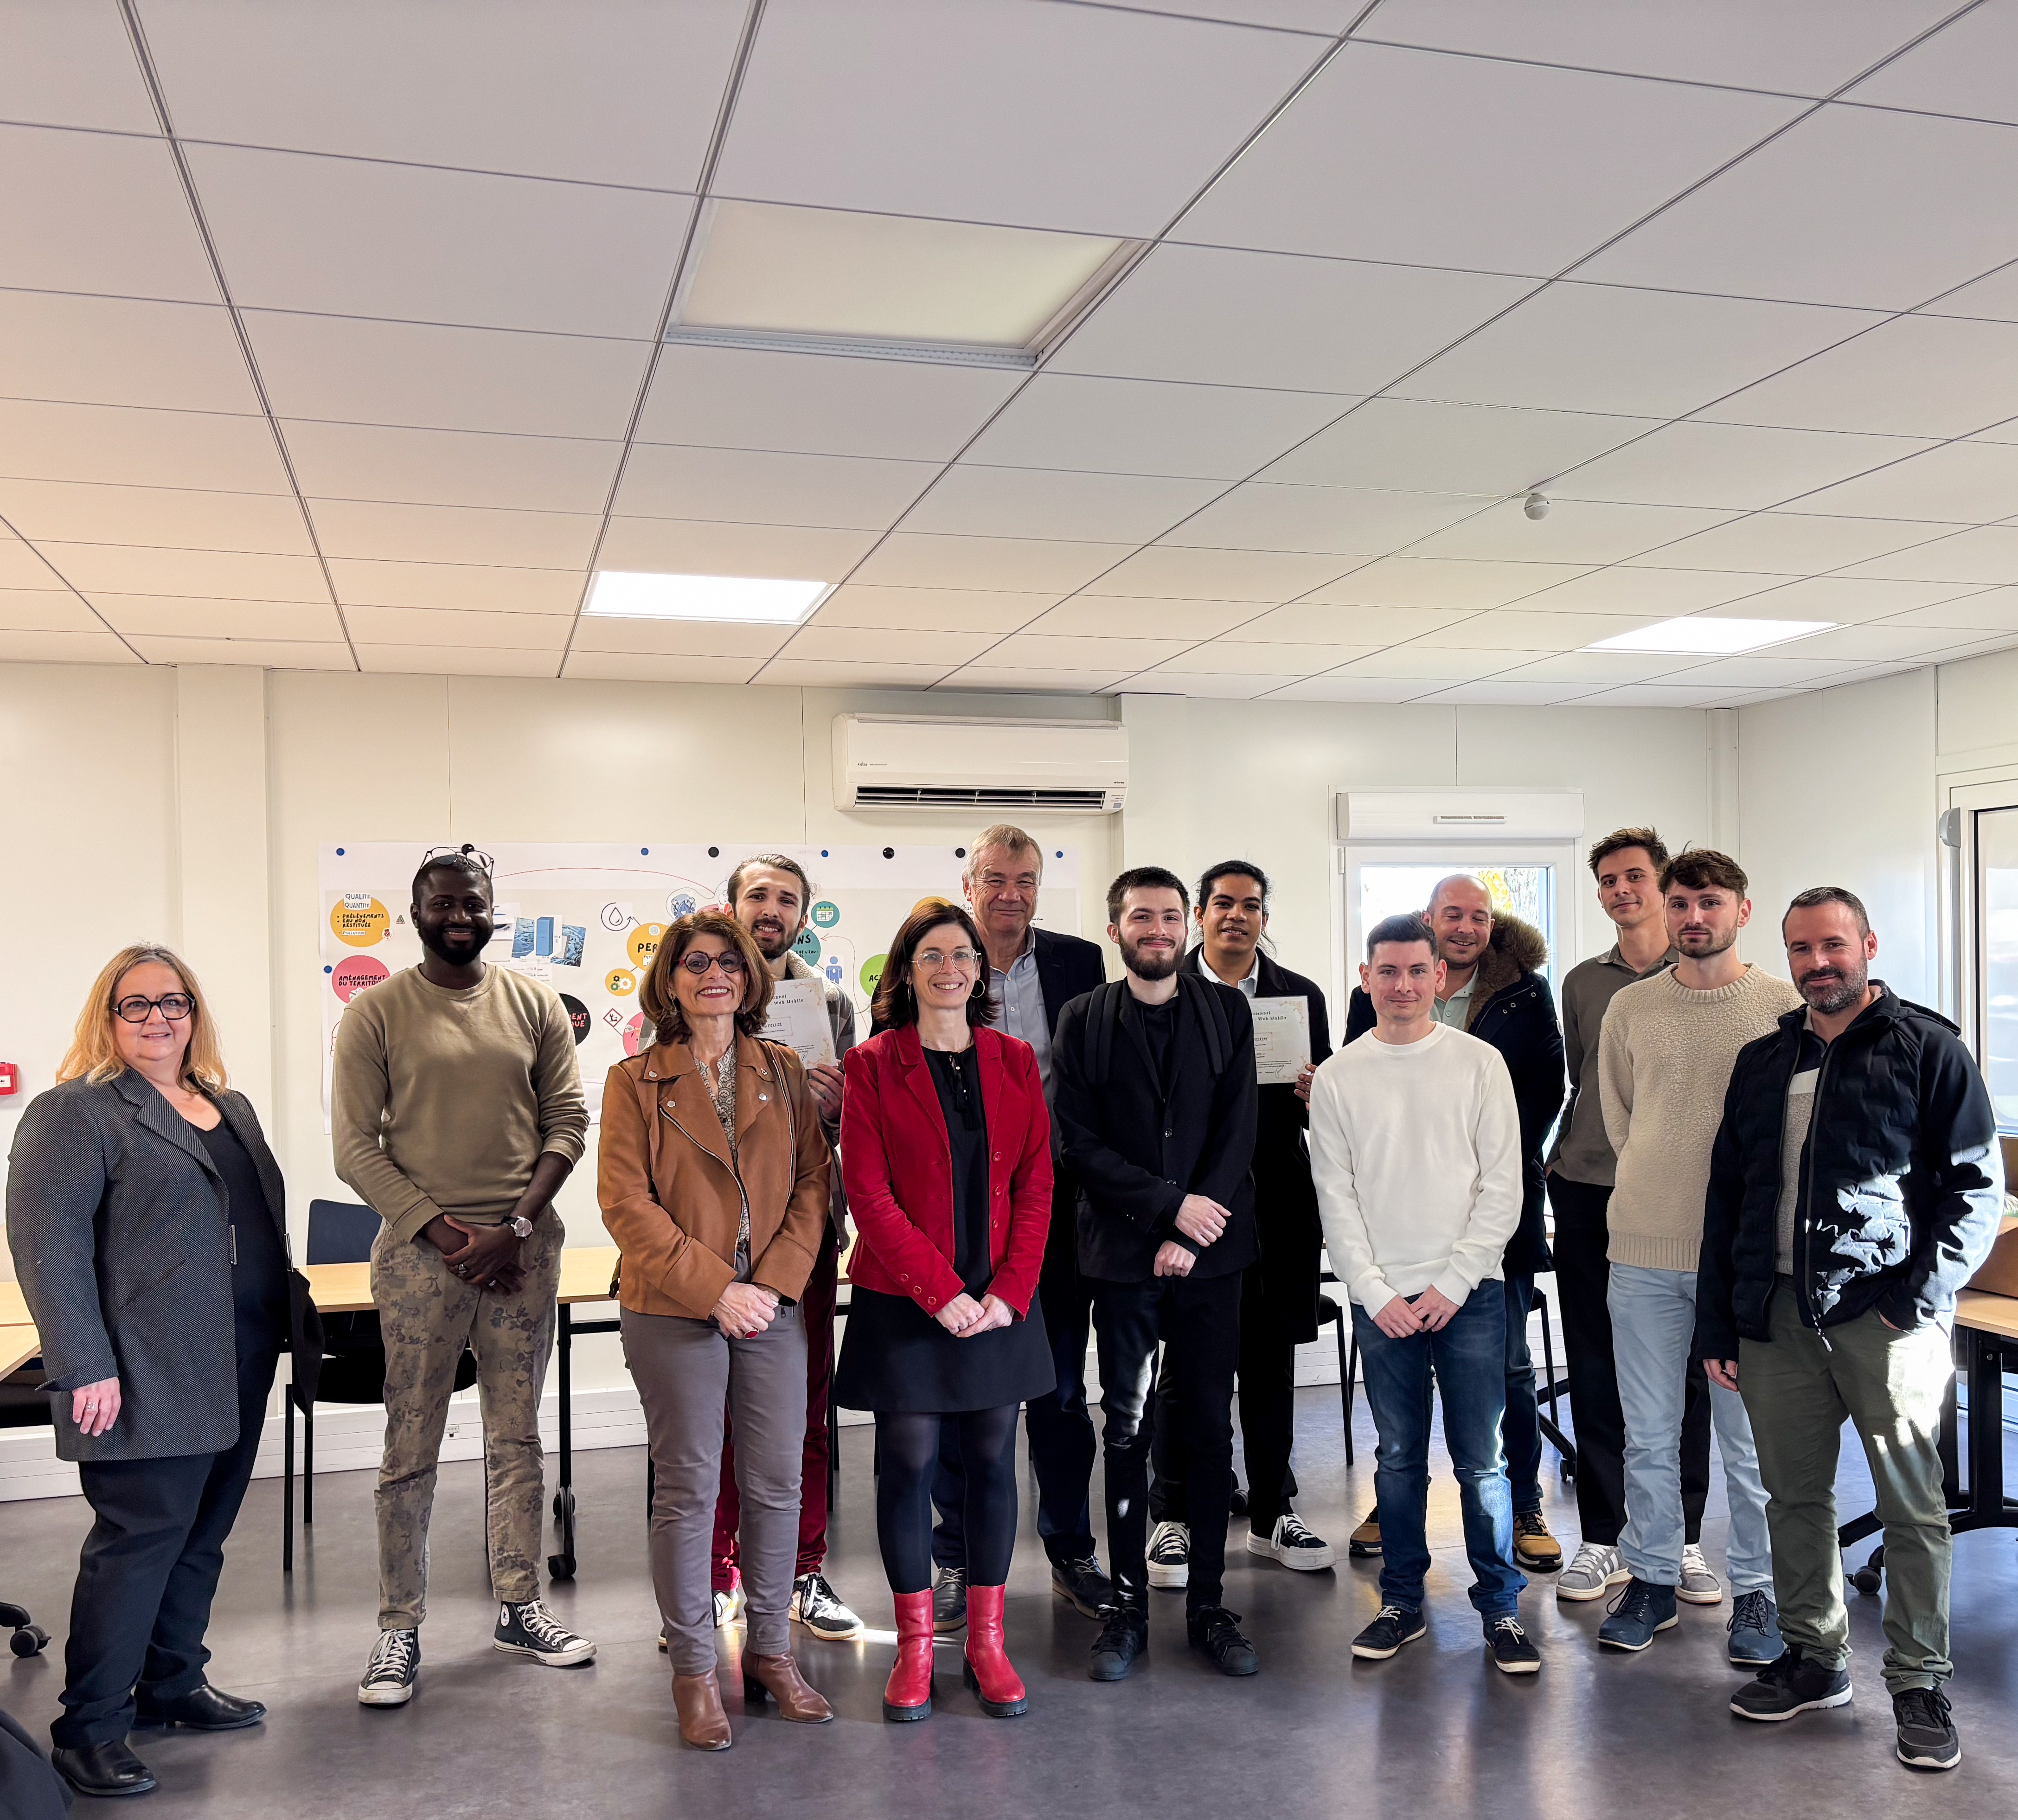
[(148, 1224), (713, 1175)]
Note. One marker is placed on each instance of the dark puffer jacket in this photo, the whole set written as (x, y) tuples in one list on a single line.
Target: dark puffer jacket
[(1512, 1009), (1901, 1181)]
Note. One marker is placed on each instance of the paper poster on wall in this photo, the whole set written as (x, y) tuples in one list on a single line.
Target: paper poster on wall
[(586, 919)]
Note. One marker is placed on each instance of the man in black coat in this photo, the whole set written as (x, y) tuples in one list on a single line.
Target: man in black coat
[(1855, 1187), (1032, 974), (1156, 1101), (1494, 990), (1279, 1297)]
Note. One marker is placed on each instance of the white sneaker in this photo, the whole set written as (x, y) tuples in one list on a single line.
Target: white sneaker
[(1170, 1556), (1595, 1570), (1698, 1585), (728, 1607), (1293, 1544)]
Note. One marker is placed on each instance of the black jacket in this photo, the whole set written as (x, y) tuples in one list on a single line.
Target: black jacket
[(1902, 1183), (1512, 1009), (1135, 1151), (1286, 1225), (1067, 966)]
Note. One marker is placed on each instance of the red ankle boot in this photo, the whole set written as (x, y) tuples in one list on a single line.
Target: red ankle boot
[(987, 1671), (908, 1695)]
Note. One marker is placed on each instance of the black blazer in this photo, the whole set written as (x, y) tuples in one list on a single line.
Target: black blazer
[(120, 1227), (1135, 1153), (1067, 966), (1286, 1224)]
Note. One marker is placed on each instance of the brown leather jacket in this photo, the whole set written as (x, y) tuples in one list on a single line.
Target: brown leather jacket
[(671, 1197)]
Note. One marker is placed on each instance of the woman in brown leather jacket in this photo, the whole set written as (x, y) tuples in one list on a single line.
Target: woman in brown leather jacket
[(713, 1178)]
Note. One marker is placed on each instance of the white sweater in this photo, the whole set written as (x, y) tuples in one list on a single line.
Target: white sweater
[(1415, 1151)]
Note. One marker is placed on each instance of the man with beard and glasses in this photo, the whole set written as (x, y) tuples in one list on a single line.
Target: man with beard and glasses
[(457, 1114), (1033, 974), (1665, 1056), (1156, 1103), (1854, 1187), (771, 897)]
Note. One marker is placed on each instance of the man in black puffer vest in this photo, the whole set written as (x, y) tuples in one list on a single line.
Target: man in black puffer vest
[(1494, 990), (1855, 1187)]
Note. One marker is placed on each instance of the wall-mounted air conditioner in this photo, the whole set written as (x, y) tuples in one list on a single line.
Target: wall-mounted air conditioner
[(1434, 813), (892, 762)]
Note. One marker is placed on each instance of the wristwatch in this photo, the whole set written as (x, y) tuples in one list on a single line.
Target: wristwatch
[(524, 1228)]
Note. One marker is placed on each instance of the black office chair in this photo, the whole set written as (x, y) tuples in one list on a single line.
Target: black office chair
[(353, 1360), (22, 1405)]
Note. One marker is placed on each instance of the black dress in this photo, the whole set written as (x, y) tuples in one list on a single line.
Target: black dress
[(894, 1356)]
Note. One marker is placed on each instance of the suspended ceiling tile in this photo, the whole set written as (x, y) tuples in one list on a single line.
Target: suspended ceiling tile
[(1961, 483), (1964, 68), (352, 370), (928, 609), (180, 617), (61, 647), (1269, 576), (418, 625), (1031, 565), (1451, 448), (807, 673), (840, 492), (21, 567), (206, 574), (1499, 691), (634, 666), (1799, 47), (45, 610), (347, 236), (1090, 120), (1883, 644), (1352, 688), (72, 65), (1789, 543), (1988, 554), (1993, 610), (1587, 347), (1844, 601), (601, 91), (455, 534), (139, 448), (1435, 664), (118, 350), (859, 645), (1249, 658), (1853, 205), (1093, 615), (74, 511), (1743, 466), (1574, 531), (1141, 426), (1667, 695), (679, 638), (1041, 651), (1226, 317), (685, 547), (1452, 586), (820, 405), (1610, 668), (1778, 668), (1309, 622), (436, 467), (1649, 593), (1994, 296), (973, 501), (1005, 678), (260, 653), (457, 586), (1331, 520), (455, 660), (1512, 629), (1462, 161)]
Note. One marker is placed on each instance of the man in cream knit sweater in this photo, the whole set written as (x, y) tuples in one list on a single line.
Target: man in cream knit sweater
[(1663, 1061), (1415, 1154)]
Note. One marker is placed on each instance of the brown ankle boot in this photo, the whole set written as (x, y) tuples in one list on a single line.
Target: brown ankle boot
[(778, 1676), (697, 1698)]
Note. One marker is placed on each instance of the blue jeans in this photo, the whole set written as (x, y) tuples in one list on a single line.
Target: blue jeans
[(1653, 1328), (1469, 1359), (1521, 1429)]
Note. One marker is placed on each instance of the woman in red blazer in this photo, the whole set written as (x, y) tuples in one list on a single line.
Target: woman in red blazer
[(946, 1152)]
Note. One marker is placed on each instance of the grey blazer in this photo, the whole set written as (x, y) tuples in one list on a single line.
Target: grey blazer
[(120, 1228)]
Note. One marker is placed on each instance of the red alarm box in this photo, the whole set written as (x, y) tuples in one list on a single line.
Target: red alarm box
[(10, 1079)]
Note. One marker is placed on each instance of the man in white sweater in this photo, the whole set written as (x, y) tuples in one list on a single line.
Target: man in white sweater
[(1664, 1058), (1416, 1153)]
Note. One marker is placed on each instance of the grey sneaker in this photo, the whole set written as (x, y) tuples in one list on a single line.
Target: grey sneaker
[(529, 1629), (1927, 1736), (1594, 1572), (950, 1599), (815, 1605), (1698, 1585), (394, 1666)]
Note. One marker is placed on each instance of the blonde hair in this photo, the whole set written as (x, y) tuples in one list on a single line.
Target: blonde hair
[(94, 1049)]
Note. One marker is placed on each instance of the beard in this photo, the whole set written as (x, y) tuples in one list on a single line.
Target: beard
[(1700, 944), (772, 939), (1830, 990), (454, 947), (1151, 966)]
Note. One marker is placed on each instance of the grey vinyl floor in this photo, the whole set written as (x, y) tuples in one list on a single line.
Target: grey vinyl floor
[(1435, 1732)]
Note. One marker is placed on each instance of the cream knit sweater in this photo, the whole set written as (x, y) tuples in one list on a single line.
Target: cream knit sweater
[(1664, 1062)]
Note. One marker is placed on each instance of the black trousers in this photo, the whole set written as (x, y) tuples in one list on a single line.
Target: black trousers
[(1197, 1323), (1060, 1425), (1582, 1275), (149, 1570), (1268, 1389)]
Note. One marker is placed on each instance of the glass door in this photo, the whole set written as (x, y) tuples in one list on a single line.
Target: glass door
[(1384, 882), (1995, 852)]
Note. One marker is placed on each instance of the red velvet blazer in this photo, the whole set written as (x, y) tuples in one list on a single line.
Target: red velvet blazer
[(896, 1162)]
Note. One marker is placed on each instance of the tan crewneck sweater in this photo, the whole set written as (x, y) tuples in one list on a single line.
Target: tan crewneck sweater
[(1664, 1062)]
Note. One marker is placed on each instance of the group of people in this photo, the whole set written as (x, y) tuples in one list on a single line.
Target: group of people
[(1766, 1195)]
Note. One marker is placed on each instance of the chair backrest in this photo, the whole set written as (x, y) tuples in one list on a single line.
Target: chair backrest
[(340, 1231)]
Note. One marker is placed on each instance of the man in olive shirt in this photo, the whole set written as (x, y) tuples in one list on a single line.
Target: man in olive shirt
[(458, 1113)]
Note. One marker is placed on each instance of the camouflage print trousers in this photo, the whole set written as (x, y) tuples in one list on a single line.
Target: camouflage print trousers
[(428, 1316)]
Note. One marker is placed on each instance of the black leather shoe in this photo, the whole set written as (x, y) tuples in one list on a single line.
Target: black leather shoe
[(208, 1708), (1217, 1631), (1123, 1636), (104, 1769), (1081, 1581)]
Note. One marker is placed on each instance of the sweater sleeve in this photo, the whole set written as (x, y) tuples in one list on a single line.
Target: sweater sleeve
[(1614, 1078), (1495, 1206), (1346, 1235), (361, 1088), (563, 1109)]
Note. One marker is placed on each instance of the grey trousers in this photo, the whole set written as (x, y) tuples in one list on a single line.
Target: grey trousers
[(688, 1373)]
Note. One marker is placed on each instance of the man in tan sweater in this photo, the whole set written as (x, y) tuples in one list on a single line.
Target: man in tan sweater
[(457, 1114), (1665, 1059)]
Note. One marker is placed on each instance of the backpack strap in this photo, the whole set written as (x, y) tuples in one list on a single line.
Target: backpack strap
[(1103, 1019), (1218, 1033)]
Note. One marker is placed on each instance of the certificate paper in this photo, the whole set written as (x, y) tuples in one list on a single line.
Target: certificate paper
[(798, 1019), (1282, 1039)]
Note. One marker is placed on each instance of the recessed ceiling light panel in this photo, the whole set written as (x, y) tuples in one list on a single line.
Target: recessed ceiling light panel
[(633, 594), (1700, 635)]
